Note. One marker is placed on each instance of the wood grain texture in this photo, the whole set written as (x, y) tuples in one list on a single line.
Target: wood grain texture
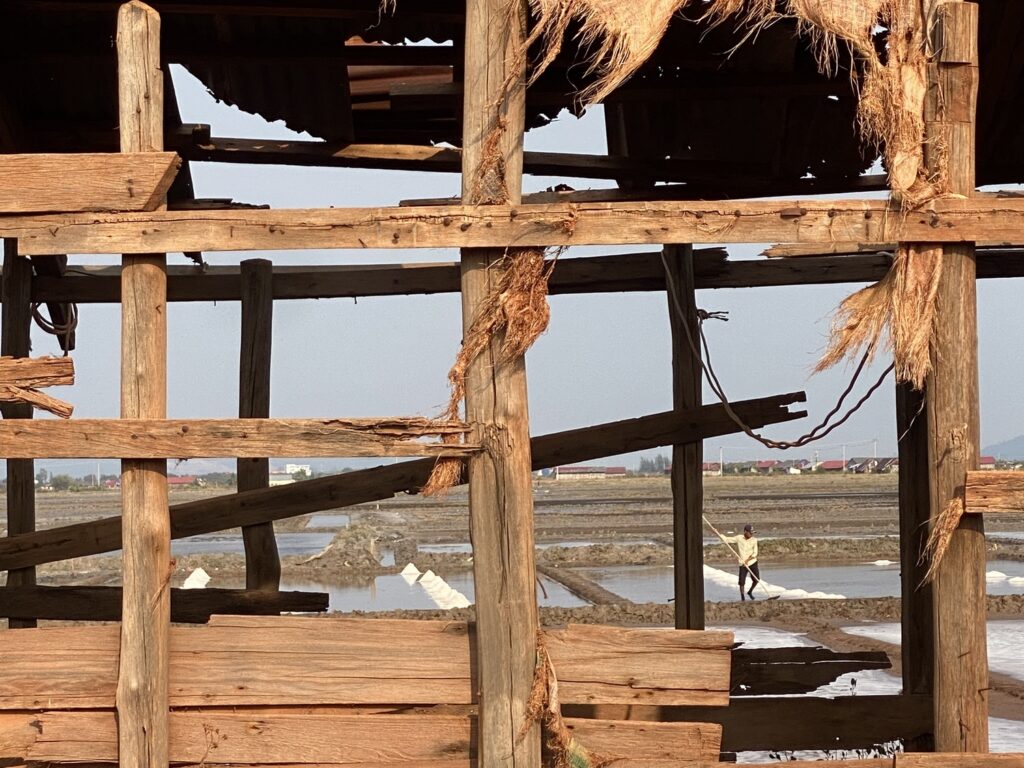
[(20, 377), (596, 274), (262, 561), (142, 683), (15, 342), (916, 597), (264, 661), (961, 660), (500, 481), (468, 226), (189, 606), (69, 183), (792, 723), (245, 438), (687, 458), (246, 738), (993, 491), (361, 486)]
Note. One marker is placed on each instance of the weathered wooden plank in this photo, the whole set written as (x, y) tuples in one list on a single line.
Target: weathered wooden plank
[(249, 661), (496, 403), (792, 723), (142, 686), (262, 561), (252, 737), (954, 415), (85, 182), (36, 371), (597, 274), (233, 510), (15, 340), (688, 458), (965, 760), (189, 606), (243, 438), (466, 226), (994, 491)]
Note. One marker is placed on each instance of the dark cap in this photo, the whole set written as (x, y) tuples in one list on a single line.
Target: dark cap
[(748, 528)]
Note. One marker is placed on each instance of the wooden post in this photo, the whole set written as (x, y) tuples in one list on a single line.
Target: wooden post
[(961, 662), (918, 637), (500, 483), (687, 459), (15, 342), (262, 562), (142, 683)]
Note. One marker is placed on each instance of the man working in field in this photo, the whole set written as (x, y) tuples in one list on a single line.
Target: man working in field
[(746, 550)]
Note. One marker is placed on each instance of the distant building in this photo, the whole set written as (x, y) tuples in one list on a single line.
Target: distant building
[(291, 469), (588, 473), (831, 465), (767, 466), (794, 466), (711, 468), (281, 478), (182, 481), (987, 462)]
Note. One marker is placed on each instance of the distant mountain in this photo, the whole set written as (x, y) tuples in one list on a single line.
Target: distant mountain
[(1008, 449)]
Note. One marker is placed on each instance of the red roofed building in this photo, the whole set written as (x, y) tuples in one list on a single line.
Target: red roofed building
[(987, 462), (832, 465), (180, 481)]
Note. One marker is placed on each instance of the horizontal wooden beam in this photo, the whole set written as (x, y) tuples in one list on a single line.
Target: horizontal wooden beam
[(494, 226), (214, 438), (440, 10), (794, 723), (358, 662), (596, 274), (263, 506), (85, 182), (994, 491), (805, 250), (254, 737), (188, 606)]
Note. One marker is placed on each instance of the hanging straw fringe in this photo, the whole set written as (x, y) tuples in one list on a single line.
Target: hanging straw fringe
[(940, 537), (902, 303), (515, 312), (543, 706)]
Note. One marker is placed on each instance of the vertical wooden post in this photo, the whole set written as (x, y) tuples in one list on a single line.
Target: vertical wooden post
[(262, 562), (500, 482), (142, 684), (687, 460), (961, 662), (15, 342), (918, 638)]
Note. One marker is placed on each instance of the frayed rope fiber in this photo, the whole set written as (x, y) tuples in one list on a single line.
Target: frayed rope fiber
[(543, 706)]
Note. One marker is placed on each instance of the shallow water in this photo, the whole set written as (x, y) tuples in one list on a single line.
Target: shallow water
[(287, 544), (329, 520), (392, 592)]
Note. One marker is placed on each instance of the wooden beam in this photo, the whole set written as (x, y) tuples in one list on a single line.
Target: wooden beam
[(793, 723), (360, 662), (362, 486), (21, 377), (467, 226), (243, 438), (85, 182), (142, 677), (189, 606), (991, 491), (15, 341), (594, 274), (954, 421), (442, 10), (500, 481), (917, 599), (253, 737), (687, 458), (262, 561)]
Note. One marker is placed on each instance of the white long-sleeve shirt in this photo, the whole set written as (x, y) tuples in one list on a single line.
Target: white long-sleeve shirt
[(747, 548)]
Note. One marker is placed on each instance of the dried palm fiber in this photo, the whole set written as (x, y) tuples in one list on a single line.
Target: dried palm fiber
[(513, 315), (901, 307), (940, 536), (543, 705)]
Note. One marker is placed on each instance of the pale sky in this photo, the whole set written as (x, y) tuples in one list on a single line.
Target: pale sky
[(604, 357)]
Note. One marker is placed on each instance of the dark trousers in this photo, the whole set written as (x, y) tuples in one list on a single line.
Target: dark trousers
[(755, 575)]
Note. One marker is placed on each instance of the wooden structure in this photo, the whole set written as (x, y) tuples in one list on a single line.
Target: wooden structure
[(147, 694)]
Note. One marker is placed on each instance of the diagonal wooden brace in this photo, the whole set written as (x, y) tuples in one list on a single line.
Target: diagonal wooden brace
[(20, 379)]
